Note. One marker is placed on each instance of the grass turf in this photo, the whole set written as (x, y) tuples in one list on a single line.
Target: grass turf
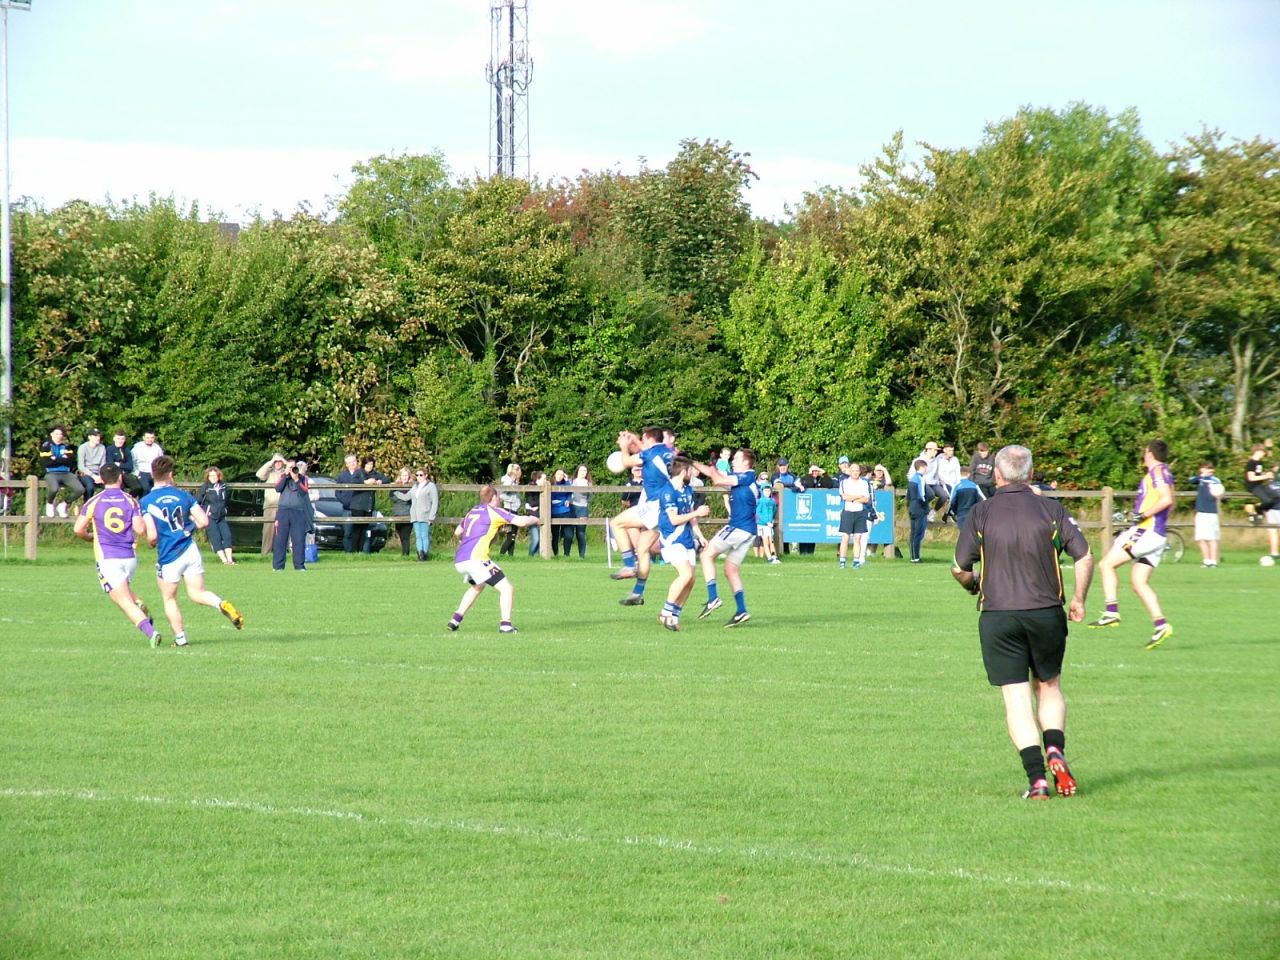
[(345, 778)]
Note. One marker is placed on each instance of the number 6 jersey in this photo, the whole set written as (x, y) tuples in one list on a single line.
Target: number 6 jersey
[(111, 516)]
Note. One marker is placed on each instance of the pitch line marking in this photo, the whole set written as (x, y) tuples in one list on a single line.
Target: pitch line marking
[(852, 861)]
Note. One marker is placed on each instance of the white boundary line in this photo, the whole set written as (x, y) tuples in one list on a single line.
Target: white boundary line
[(851, 861)]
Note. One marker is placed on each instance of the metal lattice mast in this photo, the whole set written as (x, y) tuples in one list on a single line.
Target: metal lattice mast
[(509, 72)]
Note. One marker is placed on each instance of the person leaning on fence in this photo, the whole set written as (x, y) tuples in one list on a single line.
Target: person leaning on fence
[(212, 496), (1015, 539), (511, 502), (561, 509), (58, 459), (400, 500)]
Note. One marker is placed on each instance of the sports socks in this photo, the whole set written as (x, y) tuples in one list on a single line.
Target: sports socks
[(637, 589), (712, 594), (628, 559), (1054, 740), (672, 609), (740, 598), (1113, 606), (147, 627), (456, 618), (1160, 622), (1033, 763)]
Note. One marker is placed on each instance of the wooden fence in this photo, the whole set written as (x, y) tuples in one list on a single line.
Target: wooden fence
[(32, 519)]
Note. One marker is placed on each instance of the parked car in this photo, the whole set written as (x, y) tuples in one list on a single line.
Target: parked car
[(248, 503)]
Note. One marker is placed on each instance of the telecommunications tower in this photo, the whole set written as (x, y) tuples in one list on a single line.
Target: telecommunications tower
[(510, 70)]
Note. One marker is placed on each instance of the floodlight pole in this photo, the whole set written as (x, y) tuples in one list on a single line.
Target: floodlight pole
[(6, 277)]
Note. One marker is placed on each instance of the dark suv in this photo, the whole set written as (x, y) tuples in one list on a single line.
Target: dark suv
[(248, 503)]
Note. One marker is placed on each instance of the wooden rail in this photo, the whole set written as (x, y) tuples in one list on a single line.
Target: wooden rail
[(32, 519)]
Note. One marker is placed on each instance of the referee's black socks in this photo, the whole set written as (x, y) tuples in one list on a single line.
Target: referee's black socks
[(1055, 739), (1033, 763)]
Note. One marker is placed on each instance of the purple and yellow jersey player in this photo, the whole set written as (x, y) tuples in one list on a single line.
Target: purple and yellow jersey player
[(1143, 544), (475, 533), (112, 521)]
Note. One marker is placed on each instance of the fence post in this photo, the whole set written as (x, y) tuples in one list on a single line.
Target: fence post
[(544, 520), (33, 516), (1108, 508)]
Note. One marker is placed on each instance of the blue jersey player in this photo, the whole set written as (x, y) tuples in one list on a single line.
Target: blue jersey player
[(735, 538), (679, 537), (171, 516), (636, 528)]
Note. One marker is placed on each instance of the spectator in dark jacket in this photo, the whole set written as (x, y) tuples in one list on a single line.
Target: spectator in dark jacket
[(351, 473), (918, 505), (119, 455), (293, 517), (561, 509), (58, 458), (212, 495)]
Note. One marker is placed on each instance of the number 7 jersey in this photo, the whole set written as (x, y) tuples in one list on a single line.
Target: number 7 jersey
[(170, 510)]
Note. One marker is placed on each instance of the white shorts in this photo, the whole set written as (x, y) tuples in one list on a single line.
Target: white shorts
[(1272, 516), (189, 564), (116, 572), (678, 555), (479, 573), (733, 543), (1143, 544), (764, 531), (1208, 527), (648, 512)]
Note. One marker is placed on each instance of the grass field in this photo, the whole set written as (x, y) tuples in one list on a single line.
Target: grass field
[(345, 778)]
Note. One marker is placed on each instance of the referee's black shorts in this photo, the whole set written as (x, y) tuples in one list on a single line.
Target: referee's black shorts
[(1018, 642)]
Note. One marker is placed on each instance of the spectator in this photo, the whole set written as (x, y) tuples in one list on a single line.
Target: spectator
[(766, 511), (816, 480), (1258, 481), (965, 495), (91, 457), (918, 505), (511, 502), (783, 479), (426, 503), (58, 460), (1209, 491), (400, 500), (982, 469), (119, 455), (350, 473), (363, 501), (933, 489), (293, 518), (631, 499), (561, 509), (880, 480), (145, 452), (948, 477), (855, 494), (533, 507), (270, 474), (212, 496), (580, 502)]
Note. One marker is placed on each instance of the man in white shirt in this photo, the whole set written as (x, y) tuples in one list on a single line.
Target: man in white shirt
[(144, 452), (947, 469), (855, 494)]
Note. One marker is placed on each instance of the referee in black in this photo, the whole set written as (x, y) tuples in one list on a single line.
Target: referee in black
[(1016, 537)]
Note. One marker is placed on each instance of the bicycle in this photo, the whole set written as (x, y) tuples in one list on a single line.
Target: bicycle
[(1174, 543)]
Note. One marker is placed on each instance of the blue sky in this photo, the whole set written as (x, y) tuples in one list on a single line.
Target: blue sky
[(260, 106)]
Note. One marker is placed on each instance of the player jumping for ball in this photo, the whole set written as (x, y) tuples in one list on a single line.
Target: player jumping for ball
[(475, 533), (636, 528), (735, 538)]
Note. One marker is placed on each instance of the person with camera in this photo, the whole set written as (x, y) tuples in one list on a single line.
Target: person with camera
[(293, 516)]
